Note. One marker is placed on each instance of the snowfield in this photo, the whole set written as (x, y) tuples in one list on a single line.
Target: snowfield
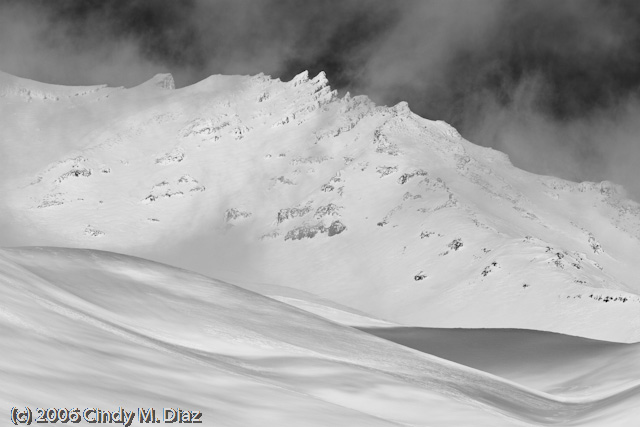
[(371, 266), (86, 328)]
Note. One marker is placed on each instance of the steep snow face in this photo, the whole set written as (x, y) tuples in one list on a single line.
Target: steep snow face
[(261, 181), (90, 329)]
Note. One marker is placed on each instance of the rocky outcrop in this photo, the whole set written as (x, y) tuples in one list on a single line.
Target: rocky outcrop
[(310, 231), (175, 156), (283, 180), (93, 232), (203, 127), (455, 244), (309, 160), (49, 200), (407, 176), (233, 214), (383, 145), (386, 170), (336, 227), (333, 183), (168, 194), (164, 81), (164, 189), (328, 210), (289, 213), (306, 231), (74, 173)]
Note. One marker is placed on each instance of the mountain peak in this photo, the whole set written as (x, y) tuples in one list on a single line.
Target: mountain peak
[(161, 80), (373, 207)]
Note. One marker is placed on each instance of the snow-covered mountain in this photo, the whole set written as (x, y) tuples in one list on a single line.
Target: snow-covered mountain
[(262, 182)]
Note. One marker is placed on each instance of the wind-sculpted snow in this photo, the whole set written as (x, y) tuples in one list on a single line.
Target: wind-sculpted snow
[(96, 329), (336, 192), (16, 88)]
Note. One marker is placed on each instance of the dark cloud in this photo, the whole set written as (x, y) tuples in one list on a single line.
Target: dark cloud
[(71, 41), (553, 84)]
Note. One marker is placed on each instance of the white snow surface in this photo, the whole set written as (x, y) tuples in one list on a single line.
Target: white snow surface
[(253, 180), (86, 328)]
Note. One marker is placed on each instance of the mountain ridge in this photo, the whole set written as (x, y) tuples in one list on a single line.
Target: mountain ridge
[(372, 207)]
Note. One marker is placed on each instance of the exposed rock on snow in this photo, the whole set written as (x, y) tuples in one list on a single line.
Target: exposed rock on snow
[(407, 176), (203, 127), (74, 173), (234, 214), (52, 200), (93, 232), (386, 170), (186, 179), (336, 227), (175, 156), (165, 81), (383, 145), (328, 210), (310, 231), (332, 184), (597, 249), (305, 231), (283, 180), (455, 244), (289, 213), (168, 194), (488, 269), (308, 160)]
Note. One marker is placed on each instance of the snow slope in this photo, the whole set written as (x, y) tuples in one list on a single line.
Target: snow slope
[(86, 328), (254, 180), (554, 363)]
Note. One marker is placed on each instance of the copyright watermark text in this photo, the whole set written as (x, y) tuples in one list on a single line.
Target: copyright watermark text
[(25, 415)]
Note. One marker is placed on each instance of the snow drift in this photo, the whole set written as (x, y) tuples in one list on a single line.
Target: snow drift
[(85, 328)]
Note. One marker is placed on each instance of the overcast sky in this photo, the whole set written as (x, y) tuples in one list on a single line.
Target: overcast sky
[(552, 83)]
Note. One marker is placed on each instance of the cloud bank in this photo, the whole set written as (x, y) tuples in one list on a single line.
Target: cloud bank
[(552, 84)]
